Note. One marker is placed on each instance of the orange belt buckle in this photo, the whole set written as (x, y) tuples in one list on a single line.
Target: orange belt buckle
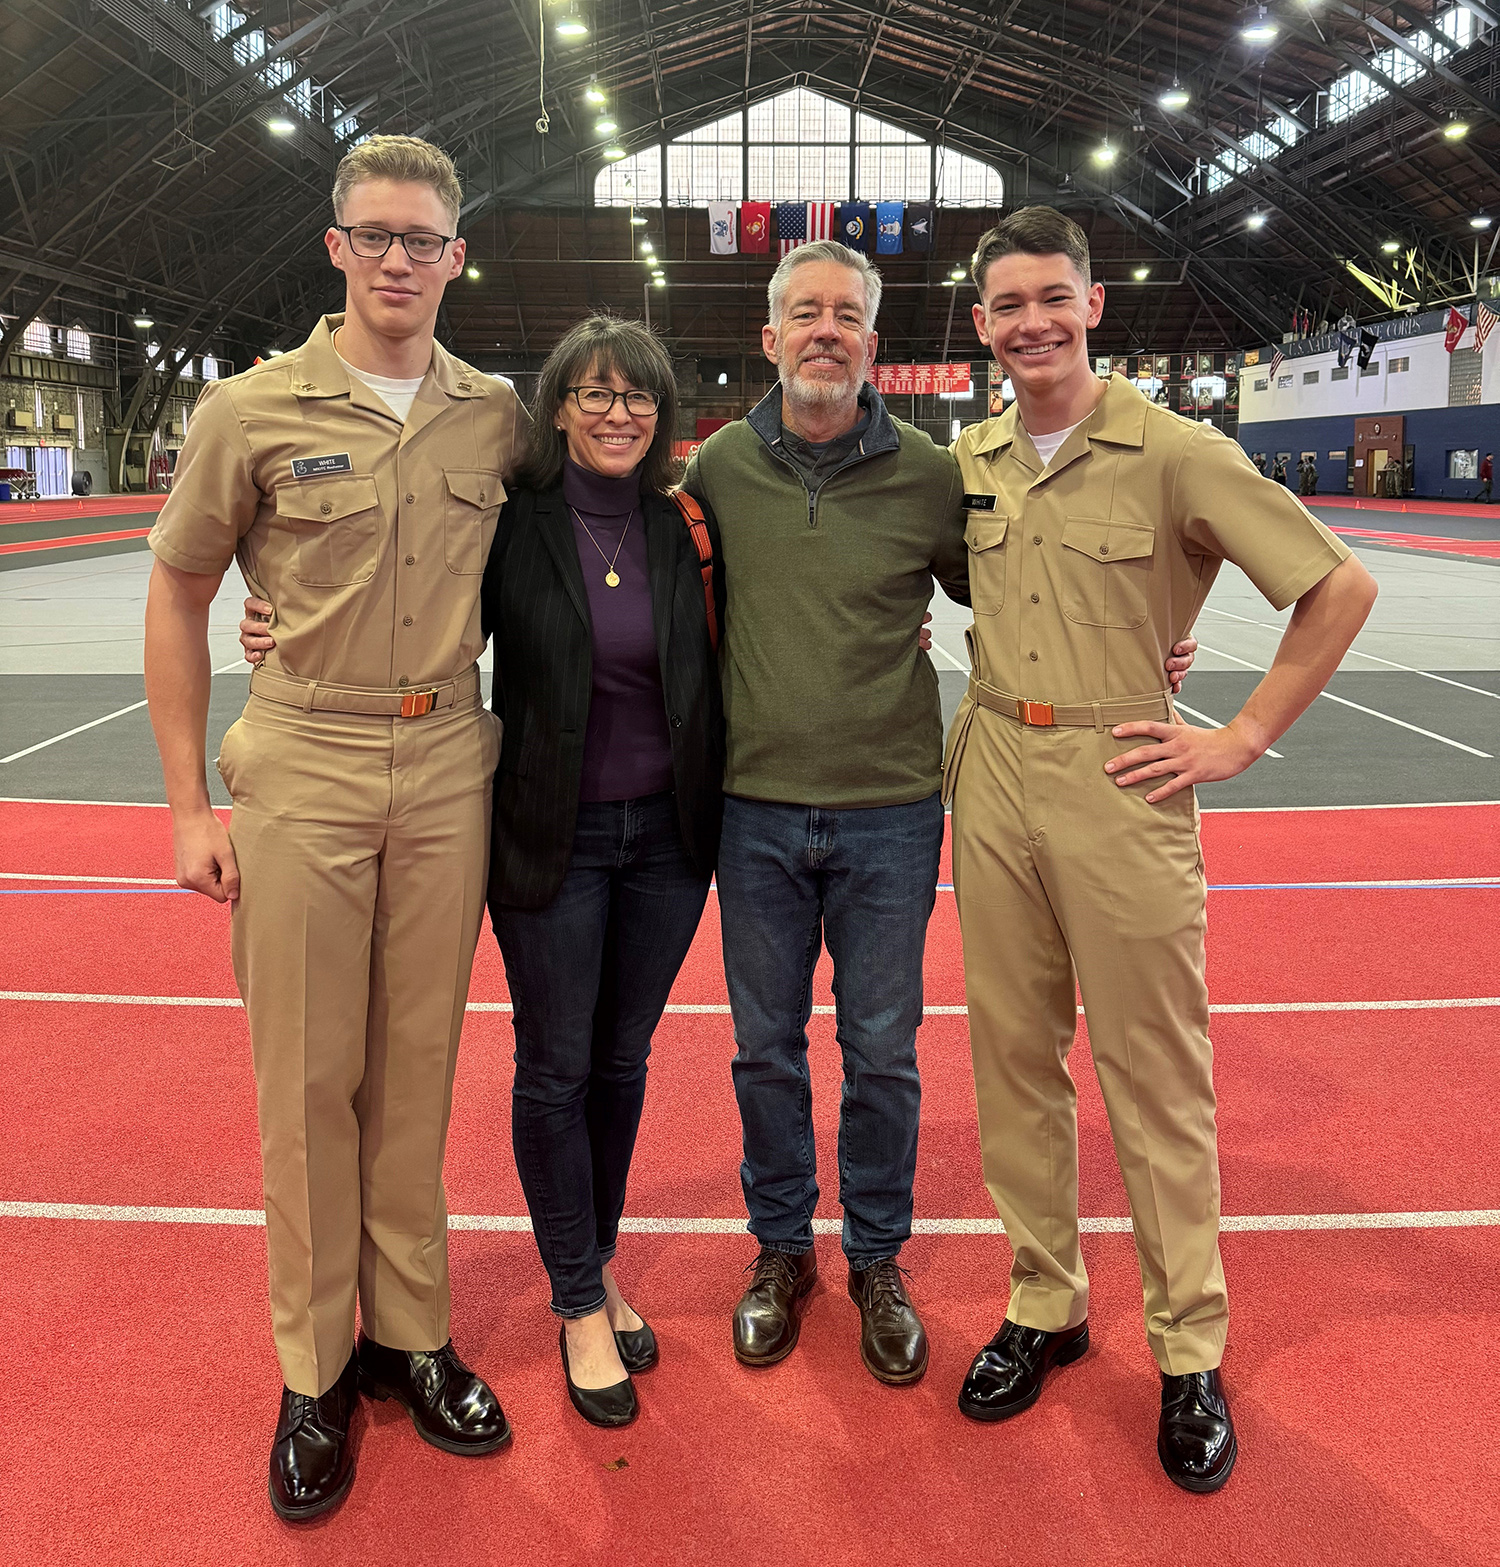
[(417, 704), (1036, 714)]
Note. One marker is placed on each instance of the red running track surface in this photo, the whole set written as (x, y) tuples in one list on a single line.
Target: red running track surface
[(83, 507), (1359, 1361)]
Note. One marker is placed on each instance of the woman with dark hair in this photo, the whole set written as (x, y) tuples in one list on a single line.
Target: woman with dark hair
[(607, 805), (607, 808)]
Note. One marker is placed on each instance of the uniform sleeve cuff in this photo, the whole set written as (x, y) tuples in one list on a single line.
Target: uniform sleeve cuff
[(1310, 575), (184, 562)]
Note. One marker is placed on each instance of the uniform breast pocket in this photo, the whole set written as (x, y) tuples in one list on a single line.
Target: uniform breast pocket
[(985, 536), (1106, 569), (470, 508), (336, 525)]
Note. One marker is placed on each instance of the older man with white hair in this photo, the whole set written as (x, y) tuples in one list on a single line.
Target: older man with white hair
[(835, 519)]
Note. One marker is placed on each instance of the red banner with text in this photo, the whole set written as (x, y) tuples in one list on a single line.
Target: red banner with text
[(921, 380)]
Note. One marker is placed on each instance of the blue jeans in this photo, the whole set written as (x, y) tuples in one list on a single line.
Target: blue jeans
[(864, 881), (589, 977)]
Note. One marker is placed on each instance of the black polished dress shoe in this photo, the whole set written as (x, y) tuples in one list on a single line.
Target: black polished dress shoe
[(1195, 1440), (312, 1456), (637, 1347), (450, 1406), (1008, 1373), (615, 1405), (768, 1319)]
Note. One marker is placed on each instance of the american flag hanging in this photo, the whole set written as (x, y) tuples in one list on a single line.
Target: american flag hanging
[(798, 222), (1484, 319), (791, 225), (1276, 363), (822, 219)]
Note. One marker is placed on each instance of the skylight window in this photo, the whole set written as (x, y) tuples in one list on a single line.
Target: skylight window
[(798, 146), (1350, 94)]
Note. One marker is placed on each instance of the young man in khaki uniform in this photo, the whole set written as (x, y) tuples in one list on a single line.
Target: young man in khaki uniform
[(357, 481), (1097, 523)]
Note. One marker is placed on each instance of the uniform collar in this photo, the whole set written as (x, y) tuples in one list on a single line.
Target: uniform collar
[(317, 370), (1119, 418)]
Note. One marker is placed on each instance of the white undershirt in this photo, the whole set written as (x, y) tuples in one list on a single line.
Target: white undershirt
[(398, 396), (1047, 445)]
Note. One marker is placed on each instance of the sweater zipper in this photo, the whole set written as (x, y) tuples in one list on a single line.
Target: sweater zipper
[(812, 495)]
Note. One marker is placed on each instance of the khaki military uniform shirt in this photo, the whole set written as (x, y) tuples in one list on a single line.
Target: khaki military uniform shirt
[(368, 536), (1084, 576)]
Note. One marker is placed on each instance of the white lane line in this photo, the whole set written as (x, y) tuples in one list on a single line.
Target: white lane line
[(937, 647), (134, 881), (721, 1009), (1213, 723), (114, 805), (1344, 701), (94, 723), (1460, 1218), (1303, 810), (1390, 663)]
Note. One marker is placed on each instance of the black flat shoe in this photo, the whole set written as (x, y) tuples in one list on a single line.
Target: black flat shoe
[(637, 1347), (451, 1406), (1008, 1373), (600, 1406), (1195, 1440), (312, 1454)]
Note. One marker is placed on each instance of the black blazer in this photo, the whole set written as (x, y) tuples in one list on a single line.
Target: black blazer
[(536, 610)]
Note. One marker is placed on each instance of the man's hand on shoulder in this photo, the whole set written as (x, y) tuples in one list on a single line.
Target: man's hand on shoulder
[(254, 637), (204, 857)]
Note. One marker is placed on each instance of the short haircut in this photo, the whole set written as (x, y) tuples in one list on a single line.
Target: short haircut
[(406, 158), (603, 345), (1033, 231), (825, 250)]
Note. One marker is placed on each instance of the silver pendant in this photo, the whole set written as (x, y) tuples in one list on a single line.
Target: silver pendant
[(611, 579)]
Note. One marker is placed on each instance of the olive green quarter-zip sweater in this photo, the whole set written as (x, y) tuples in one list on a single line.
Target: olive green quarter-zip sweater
[(828, 698)]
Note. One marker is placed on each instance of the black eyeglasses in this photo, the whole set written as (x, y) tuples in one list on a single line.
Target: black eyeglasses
[(372, 243), (601, 400)]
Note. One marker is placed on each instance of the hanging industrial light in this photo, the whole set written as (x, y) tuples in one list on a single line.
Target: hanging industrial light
[(572, 26)]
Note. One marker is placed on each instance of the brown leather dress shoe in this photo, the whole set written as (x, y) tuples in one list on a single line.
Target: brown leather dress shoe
[(768, 1319), (312, 1455), (451, 1406), (892, 1340)]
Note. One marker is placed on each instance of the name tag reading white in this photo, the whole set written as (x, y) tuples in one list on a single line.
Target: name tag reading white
[(313, 467)]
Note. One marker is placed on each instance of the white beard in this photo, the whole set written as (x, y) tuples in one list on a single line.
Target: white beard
[(820, 395)]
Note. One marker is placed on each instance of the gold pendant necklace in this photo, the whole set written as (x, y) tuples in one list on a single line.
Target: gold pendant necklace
[(611, 576)]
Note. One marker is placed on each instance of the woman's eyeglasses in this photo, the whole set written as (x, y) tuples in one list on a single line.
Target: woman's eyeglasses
[(601, 400)]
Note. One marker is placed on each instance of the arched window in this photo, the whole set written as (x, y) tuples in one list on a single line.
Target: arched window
[(78, 344), (37, 338), (798, 146)]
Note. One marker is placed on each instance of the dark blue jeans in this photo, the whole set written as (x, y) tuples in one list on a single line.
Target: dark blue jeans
[(589, 978), (790, 878)]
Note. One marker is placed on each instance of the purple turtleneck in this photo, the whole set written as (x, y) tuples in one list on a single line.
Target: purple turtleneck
[(627, 750)]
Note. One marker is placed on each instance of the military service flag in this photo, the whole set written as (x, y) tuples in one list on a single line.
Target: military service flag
[(888, 228), (721, 228), (755, 227), (919, 223), (856, 225)]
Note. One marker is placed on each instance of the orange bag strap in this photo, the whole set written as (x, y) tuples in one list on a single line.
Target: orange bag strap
[(692, 515)]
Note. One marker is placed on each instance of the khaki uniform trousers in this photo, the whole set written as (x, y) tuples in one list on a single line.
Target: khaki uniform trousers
[(1057, 869), (363, 847)]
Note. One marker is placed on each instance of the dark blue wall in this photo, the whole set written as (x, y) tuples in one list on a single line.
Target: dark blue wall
[(1433, 431)]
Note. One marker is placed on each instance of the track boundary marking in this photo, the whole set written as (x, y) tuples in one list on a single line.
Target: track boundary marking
[(1359, 707), (1356, 652), (254, 1218), (721, 1008)]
